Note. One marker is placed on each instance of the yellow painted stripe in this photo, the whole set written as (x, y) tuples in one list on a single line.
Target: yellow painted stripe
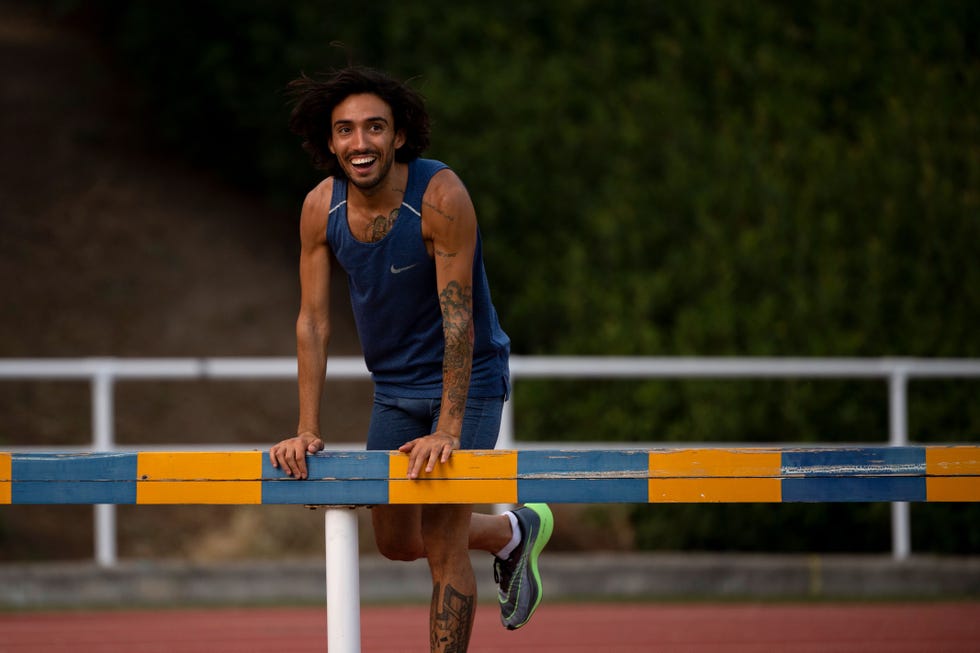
[(232, 477), (204, 492), (5, 475), (715, 490), (462, 465), (193, 465), (730, 463), (450, 491), (953, 461), (468, 477), (953, 488)]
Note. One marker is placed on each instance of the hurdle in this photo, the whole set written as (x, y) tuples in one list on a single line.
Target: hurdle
[(340, 481)]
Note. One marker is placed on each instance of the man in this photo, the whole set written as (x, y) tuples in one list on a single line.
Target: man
[(405, 231)]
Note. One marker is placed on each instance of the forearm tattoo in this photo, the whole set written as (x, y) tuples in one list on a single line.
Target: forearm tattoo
[(450, 620), (457, 323)]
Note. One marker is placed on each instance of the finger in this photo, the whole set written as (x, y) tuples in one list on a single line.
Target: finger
[(291, 462), (408, 446), (414, 462), (447, 451), (316, 445), (280, 457), (433, 457), (301, 464), (284, 461)]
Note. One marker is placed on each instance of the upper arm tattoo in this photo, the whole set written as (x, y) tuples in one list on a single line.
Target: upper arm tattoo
[(448, 216)]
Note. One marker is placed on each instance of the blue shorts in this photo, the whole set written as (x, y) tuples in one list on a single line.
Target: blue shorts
[(397, 420)]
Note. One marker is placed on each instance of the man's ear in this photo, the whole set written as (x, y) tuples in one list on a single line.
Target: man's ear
[(400, 139)]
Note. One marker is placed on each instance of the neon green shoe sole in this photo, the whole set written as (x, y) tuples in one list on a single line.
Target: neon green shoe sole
[(518, 580)]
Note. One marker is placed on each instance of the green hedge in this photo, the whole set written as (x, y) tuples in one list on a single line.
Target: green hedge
[(656, 178)]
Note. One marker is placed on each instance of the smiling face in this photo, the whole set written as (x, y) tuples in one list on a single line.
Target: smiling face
[(364, 139)]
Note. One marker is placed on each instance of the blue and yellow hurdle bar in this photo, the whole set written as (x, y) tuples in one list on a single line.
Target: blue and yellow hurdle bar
[(710, 475)]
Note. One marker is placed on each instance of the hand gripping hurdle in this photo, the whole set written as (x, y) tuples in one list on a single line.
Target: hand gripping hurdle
[(342, 480)]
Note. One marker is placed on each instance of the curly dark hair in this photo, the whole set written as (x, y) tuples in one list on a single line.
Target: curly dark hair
[(314, 99)]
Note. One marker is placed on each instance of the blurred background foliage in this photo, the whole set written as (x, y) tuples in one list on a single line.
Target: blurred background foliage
[(654, 178)]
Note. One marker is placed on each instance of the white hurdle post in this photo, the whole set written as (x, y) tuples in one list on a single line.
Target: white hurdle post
[(343, 580)]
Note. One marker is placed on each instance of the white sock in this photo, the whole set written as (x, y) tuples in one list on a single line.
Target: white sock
[(515, 537)]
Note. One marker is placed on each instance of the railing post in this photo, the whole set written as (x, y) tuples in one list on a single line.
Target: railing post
[(898, 437), (343, 580), (103, 439), (506, 438), (505, 441)]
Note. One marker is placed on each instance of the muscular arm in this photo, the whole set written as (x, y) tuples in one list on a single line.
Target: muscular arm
[(312, 334), (449, 223), (454, 244)]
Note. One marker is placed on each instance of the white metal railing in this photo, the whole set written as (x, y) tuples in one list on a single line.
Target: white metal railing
[(103, 373)]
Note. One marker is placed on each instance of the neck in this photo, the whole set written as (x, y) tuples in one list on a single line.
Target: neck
[(387, 192)]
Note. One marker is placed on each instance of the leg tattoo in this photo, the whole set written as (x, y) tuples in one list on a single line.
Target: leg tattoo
[(450, 625)]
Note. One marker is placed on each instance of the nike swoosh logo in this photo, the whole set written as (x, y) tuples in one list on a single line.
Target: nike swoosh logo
[(395, 270)]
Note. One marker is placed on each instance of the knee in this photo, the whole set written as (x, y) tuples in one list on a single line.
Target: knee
[(397, 532), (400, 549), (444, 552), (445, 535)]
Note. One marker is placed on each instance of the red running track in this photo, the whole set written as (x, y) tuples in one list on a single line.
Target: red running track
[(565, 628)]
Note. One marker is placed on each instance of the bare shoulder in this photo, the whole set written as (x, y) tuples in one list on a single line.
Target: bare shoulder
[(318, 199), (446, 199), (316, 209)]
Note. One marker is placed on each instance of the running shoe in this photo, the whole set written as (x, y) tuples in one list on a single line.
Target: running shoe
[(518, 581)]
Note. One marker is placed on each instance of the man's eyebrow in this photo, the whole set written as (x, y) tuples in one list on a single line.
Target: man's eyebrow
[(347, 121)]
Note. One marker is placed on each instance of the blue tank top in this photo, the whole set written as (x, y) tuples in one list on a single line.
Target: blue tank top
[(396, 305)]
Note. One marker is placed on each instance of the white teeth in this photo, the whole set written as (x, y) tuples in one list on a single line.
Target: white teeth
[(362, 160)]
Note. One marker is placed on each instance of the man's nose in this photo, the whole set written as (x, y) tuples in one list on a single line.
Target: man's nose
[(360, 138)]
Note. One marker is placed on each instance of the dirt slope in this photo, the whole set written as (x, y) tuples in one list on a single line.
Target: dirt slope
[(109, 250)]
